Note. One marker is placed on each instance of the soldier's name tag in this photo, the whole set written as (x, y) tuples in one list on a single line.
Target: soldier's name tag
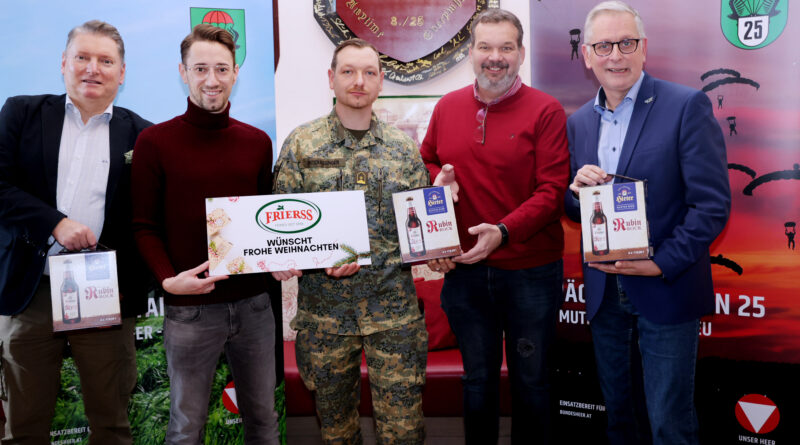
[(323, 163), (251, 234)]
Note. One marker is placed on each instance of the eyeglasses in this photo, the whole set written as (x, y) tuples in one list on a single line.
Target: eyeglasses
[(626, 46), (202, 71), (480, 132)]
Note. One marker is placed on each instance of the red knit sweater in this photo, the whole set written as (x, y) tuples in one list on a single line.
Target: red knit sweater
[(518, 177), (177, 165)]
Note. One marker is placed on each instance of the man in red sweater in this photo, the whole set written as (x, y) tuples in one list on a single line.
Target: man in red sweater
[(502, 148), (178, 164)]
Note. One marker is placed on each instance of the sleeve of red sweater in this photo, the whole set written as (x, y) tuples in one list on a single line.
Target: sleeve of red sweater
[(546, 203), (428, 147), (147, 185)]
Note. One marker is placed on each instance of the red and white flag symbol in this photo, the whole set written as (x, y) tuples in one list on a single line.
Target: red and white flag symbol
[(757, 414), (229, 398)]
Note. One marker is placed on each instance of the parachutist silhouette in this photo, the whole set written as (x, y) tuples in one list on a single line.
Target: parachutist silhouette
[(574, 40), (732, 125), (725, 262), (790, 231), (719, 100), (743, 168), (794, 173)]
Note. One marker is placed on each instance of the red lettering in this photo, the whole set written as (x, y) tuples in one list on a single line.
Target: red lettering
[(90, 292), (432, 227), (619, 224)]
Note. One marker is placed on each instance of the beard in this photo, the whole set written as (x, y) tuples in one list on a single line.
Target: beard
[(500, 85)]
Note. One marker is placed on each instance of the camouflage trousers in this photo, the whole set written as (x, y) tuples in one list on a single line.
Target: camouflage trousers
[(330, 366)]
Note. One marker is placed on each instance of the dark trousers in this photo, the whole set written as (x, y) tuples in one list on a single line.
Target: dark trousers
[(482, 304)]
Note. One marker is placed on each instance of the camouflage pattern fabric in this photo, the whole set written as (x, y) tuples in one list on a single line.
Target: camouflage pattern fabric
[(323, 156), (396, 359)]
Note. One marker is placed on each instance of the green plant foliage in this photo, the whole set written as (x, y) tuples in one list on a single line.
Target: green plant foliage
[(149, 406)]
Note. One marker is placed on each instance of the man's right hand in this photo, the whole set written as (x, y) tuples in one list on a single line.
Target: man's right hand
[(442, 265), (283, 275), (589, 175), (74, 235), (187, 282), (447, 176)]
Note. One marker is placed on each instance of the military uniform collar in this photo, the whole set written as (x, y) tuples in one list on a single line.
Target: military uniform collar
[(340, 135)]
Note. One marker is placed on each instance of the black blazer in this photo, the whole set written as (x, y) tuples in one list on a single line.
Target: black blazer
[(30, 136)]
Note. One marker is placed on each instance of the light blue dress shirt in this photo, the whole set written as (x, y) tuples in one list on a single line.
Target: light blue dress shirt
[(614, 126)]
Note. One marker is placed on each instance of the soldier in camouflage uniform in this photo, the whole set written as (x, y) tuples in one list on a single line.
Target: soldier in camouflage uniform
[(347, 309)]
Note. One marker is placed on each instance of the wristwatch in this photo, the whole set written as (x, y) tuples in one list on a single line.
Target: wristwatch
[(504, 233)]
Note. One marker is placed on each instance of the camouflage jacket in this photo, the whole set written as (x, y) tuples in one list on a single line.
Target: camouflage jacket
[(323, 156)]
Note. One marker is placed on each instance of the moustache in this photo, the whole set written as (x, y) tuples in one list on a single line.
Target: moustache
[(501, 65)]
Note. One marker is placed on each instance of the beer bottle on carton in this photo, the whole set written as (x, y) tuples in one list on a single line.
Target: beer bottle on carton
[(70, 298), (416, 242), (599, 225)]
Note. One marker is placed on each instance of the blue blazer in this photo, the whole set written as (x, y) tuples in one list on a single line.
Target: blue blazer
[(30, 137), (676, 144)]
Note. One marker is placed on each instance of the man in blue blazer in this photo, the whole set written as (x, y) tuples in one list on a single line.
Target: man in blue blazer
[(649, 129), (65, 183)]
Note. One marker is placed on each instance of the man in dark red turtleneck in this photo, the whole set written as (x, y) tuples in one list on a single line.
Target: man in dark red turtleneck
[(178, 164)]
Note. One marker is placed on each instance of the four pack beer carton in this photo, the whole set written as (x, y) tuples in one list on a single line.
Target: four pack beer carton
[(426, 224), (614, 222), (84, 290)]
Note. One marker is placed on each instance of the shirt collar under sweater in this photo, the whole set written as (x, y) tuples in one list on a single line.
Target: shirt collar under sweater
[(481, 114), (201, 118)]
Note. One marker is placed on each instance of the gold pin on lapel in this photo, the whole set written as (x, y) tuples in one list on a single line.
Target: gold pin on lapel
[(361, 178)]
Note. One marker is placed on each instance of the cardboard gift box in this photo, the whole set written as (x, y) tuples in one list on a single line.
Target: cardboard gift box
[(614, 222), (426, 224), (268, 233), (84, 290)]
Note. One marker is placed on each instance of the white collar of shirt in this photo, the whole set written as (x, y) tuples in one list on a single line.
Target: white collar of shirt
[(72, 110)]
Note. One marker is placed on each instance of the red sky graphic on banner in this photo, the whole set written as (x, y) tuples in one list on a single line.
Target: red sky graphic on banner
[(760, 317)]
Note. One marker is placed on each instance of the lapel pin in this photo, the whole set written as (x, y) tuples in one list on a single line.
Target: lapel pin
[(649, 99)]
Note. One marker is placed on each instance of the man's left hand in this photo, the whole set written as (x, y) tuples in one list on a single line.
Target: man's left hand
[(645, 268), (343, 271), (489, 238)]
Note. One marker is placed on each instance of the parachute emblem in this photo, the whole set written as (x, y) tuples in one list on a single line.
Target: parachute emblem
[(753, 24)]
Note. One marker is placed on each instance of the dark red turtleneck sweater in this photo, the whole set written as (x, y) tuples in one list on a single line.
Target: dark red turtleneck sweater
[(177, 165)]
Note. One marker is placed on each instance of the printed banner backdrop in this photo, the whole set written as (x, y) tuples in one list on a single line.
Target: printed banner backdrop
[(744, 55), (152, 31)]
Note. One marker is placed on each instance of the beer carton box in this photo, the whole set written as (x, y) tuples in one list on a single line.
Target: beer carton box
[(614, 222), (426, 224), (84, 290)]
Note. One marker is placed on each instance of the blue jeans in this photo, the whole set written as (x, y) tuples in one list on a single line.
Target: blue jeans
[(194, 338), (481, 304), (637, 359)]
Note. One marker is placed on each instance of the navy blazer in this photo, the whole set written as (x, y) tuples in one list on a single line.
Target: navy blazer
[(675, 143), (30, 137)]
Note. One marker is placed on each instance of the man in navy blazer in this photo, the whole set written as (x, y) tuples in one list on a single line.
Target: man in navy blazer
[(649, 129), (64, 180)]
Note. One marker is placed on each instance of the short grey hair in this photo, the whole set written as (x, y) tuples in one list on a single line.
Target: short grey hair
[(101, 28), (606, 7)]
